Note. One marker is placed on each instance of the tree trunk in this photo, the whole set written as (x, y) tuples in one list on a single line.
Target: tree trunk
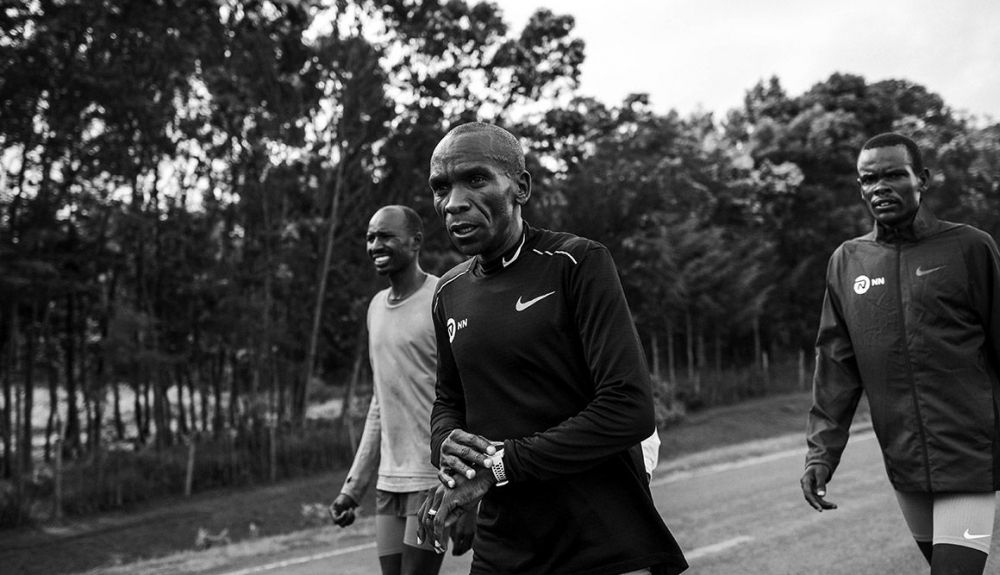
[(15, 204), (346, 425), (718, 354), (116, 395), (108, 305), (756, 340), (654, 344), (802, 369), (299, 406), (97, 400), (28, 401), (139, 414), (140, 379), (58, 504), (161, 409), (671, 357), (147, 408), (219, 421), (182, 420), (9, 354), (69, 351), (155, 307), (51, 371), (18, 471), (51, 428), (766, 365), (689, 347), (91, 395), (234, 391), (193, 397), (203, 394), (701, 357)]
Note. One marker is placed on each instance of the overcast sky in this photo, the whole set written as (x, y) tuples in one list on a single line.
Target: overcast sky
[(705, 54)]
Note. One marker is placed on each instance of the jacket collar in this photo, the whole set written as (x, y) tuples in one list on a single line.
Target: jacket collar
[(924, 224)]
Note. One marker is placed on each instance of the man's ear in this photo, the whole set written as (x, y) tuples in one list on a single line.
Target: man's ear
[(417, 241), (924, 176), (523, 188)]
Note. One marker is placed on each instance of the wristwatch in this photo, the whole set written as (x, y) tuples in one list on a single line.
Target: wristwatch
[(499, 473)]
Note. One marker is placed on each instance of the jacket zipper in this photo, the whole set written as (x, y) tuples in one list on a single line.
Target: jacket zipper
[(909, 365)]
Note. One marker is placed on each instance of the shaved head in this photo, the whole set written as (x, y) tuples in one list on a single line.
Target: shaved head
[(414, 225), (508, 153)]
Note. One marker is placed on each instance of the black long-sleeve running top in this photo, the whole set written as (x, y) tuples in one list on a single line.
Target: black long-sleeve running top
[(539, 350)]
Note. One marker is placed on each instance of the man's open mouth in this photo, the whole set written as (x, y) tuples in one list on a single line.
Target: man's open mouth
[(462, 229)]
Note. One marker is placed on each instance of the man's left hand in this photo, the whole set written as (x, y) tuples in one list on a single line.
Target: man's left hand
[(464, 454)]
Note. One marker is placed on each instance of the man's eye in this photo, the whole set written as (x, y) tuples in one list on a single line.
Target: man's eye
[(896, 175), (477, 180), (867, 179)]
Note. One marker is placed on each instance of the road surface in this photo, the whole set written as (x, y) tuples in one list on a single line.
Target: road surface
[(741, 517)]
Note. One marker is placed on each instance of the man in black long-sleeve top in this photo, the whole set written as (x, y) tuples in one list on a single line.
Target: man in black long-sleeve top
[(543, 395)]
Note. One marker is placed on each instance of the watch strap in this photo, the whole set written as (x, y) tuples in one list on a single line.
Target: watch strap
[(499, 473)]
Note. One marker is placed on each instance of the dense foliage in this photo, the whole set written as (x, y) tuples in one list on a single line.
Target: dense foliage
[(186, 183)]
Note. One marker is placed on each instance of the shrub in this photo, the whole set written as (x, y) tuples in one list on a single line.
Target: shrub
[(119, 479), (13, 511)]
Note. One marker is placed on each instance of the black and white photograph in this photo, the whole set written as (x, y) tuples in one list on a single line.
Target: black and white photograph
[(499, 287)]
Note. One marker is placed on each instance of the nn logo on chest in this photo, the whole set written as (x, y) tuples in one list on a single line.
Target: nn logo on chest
[(863, 283), (454, 326)]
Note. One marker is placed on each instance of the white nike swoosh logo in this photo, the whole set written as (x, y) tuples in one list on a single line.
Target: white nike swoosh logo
[(523, 305), (968, 535), (923, 272)]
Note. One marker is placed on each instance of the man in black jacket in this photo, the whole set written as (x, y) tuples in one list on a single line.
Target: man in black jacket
[(543, 395), (911, 317)]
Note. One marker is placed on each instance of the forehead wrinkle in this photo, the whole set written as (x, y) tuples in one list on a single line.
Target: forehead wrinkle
[(465, 166), (497, 151)]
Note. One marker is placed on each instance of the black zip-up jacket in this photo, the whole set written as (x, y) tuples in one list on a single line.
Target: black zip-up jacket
[(913, 320), (541, 353)]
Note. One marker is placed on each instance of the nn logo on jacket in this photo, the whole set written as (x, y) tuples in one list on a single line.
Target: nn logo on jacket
[(863, 283), (454, 326)]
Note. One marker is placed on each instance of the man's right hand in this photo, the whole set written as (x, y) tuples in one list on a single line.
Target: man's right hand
[(462, 453), (445, 507), (814, 487), (464, 531), (342, 510)]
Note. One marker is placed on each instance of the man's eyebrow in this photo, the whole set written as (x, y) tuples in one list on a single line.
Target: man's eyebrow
[(473, 169)]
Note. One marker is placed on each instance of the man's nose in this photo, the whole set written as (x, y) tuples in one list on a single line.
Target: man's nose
[(457, 200)]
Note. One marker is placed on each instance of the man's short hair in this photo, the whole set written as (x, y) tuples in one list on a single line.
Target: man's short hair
[(510, 155), (890, 139), (411, 219)]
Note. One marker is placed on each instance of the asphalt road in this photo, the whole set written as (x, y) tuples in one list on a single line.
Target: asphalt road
[(743, 517)]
